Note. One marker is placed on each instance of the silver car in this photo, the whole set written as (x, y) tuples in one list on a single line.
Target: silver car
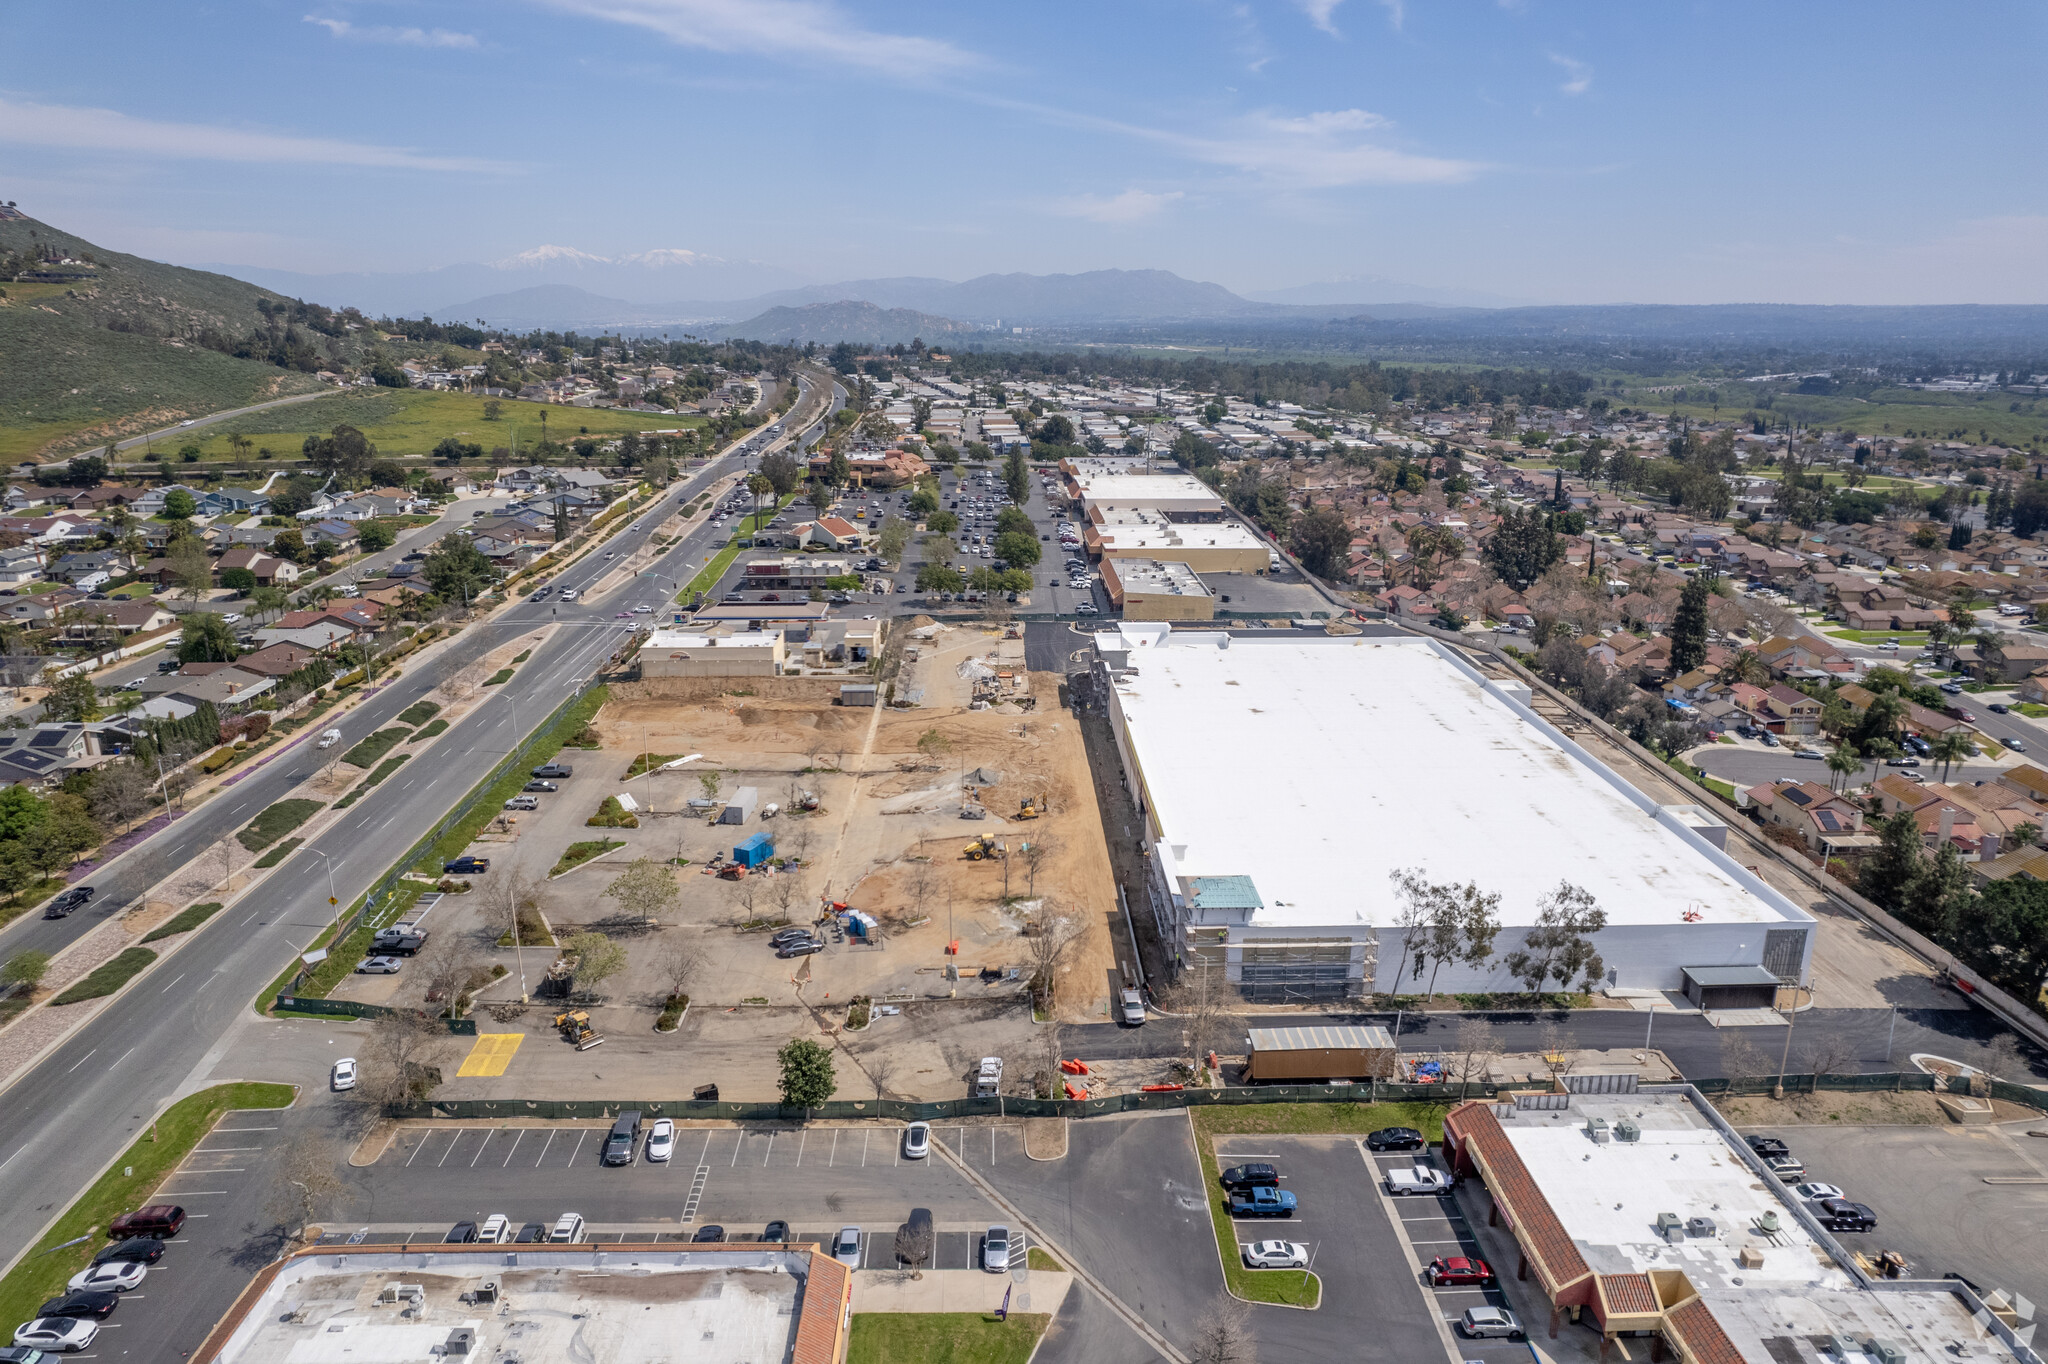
[(1481, 1323), (995, 1249), (846, 1247)]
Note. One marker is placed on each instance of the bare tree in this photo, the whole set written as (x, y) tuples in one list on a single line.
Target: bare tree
[(677, 966), (1478, 1047), (1742, 1059), (1555, 1046), (1202, 999), (305, 1179), (788, 892), (1223, 1334), (919, 883), (745, 891), (1050, 932), (402, 1057), (1050, 1035), (443, 968), (1035, 852), (1827, 1054), (800, 844), (2004, 1060)]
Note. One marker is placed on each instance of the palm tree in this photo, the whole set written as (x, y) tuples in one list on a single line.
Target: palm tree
[(1879, 750), (1843, 762), (1746, 666), (759, 486), (1949, 749)]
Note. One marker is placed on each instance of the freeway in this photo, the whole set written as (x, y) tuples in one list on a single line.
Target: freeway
[(67, 1117)]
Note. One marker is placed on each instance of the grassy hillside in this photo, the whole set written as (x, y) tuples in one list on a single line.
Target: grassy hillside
[(113, 348), (413, 421)]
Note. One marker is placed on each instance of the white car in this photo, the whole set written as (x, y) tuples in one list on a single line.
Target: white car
[(344, 1076), (115, 1276), (568, 1229), (661, 1140), (495, 1230), (917, 1141), (643, 609), (1275, 1255), (1480, 1323), (1814, 1193), (380, 966), (59, 1335)]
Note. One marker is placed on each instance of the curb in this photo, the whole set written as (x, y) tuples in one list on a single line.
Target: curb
[(1222, 1265)]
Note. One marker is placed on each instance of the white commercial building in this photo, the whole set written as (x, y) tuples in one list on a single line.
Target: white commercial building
[(1179, 496), (700, 653), (1285, 779)]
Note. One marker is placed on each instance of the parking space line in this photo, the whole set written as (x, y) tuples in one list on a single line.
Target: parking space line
[(704, 1155), (581, 1137), (419, 1148), (481, 1149), (864, 1135), (515, 1146), (739, 1140), (802, 1137), (544, 1150), (770, 1151), (245, 1129), (449, 1152), (833, 1154)]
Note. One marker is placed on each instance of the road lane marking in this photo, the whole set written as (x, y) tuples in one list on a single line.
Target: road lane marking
[(167, 989), (82, 1060), (245, 1129), (124, 1056), (221, 1150)]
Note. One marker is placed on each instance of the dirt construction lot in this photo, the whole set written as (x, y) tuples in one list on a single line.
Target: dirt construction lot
[(887, 838)]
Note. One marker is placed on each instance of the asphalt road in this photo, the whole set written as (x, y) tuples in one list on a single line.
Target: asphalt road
[(63, 1120), (1753, 767)]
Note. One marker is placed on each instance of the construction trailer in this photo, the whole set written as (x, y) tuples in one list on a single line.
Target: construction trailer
[(1335, 1052), (741, 807), (863, 694), (754, 852)]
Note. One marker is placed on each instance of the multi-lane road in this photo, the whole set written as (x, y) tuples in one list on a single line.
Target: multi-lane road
[(63, 1120)]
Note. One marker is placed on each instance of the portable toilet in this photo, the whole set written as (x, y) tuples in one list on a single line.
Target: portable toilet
[(861, 926), (754, 851)]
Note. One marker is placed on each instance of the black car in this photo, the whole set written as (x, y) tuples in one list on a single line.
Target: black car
[(1395, 1139), (466, 866), (84, 1303), (533, 1233), (1252, 1175), (78, 897), (778, 1230), (783, 935), (1768, 1146), (800, 949), (461, 1234), (708, 1235), (143, 1249), (1839, 1214)]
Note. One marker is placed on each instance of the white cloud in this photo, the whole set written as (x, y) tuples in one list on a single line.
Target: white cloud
[(1318, 151), (1580, 75), (1128, 207), (813, 30), (70, 126), (1397, 12), (1319, 13), (400, 37)]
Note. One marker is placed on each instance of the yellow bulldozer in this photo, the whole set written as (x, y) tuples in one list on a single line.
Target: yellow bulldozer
[(985, 849), (575, 1027), (1031, 807)]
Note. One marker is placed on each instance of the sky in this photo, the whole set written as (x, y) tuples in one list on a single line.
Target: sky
[(1530, 150)]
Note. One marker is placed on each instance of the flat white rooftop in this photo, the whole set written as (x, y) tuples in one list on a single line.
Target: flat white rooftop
[(1143, 489), (697, 639), (1317, 765), (1609, 1194), (732, 1309)]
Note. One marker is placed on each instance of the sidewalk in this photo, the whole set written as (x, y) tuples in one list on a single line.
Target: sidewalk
[(956, 1290)]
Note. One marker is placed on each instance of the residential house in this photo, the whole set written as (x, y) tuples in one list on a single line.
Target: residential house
[(2033, 688), (329, 536), (110, 619), (23, 564), (99, 499), (1817, 814), (1796, 714), (90, 570), (44, 755), (277, 660), (269, 570), (1919, 718), (1406, 601), (223, 686), (2028, 780), (234, 501), (2009, 662)]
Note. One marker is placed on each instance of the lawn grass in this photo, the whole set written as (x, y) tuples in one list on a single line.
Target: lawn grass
[(276, 854), (499, 678), (413, 422), (275, 822), (647, 762), (2032, 710), (109, 977), (366, 753), (944, 1337), (418, 713), (521, 657), (437, 727), (1911, 639), (576, 854), (342, 960), (186, 921), (1034, 1258), (43, 1272)]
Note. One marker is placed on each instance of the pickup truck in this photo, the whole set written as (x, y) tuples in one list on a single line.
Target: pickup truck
[(1262, 1201), (1130, 1008), (988, 1082), (1418, 1179)]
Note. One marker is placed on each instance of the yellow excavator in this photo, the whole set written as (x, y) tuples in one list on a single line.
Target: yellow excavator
[(1031, 807)]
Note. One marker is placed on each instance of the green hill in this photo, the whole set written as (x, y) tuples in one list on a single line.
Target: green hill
[(97, 345)]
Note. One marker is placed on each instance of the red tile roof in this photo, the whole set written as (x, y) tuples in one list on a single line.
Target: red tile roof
[(1550, 1246), (1628, 1294), (1693, 1329)]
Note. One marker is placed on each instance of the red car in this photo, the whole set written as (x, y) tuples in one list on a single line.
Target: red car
[(1457, 1269), (161, 1220)]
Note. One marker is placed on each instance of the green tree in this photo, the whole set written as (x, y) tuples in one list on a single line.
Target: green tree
[(1055, 430), (1321, 539), (1887, 873), (1882, 720), (645, 890), (939, 549), (1560, 945), (457, 570), (238, 580), (1013, 548), (191, 569), (838, 468), (375, 535), (598, 959), (343, 452), (942, 523), (821, 498), (1689, 626), (2006, 927), (758, 487), (923, 502), (894, 537), (203, 637), (291, 545), (1523, 548), (20, 811), (1949, 749), (73, 699), (1843, 762), (25, 969), (939, 578), (454, 451), (807, 1079), (782, 470), (493, 410), (1014, 519), (180, 505), (1016, 475), (1936, 896)]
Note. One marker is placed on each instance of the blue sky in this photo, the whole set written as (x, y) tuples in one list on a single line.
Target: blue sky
[(1845, 153)]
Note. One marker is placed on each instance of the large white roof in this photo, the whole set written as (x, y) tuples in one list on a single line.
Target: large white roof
[(1317, 765)]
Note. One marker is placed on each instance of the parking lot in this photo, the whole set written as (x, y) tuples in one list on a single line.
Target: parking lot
[(1433, 1227), (1933, 1192)]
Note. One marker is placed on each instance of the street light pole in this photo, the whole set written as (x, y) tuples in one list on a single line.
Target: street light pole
[(333, 901)]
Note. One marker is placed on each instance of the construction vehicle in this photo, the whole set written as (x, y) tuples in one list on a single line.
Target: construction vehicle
[(805, 800), (973, 811), (1031, 807), (985, 849), (733, 871), (575, 1027)]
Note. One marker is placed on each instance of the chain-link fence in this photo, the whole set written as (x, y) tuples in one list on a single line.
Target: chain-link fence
[(348, 1008)]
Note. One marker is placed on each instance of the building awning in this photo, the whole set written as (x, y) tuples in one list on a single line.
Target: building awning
[(1332, 1038), (1717, 976)]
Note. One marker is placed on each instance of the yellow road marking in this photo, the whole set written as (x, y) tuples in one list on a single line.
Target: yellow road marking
[(492, 1053)]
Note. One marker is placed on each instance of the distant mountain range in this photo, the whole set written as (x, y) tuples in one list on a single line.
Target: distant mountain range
[(865, 323)]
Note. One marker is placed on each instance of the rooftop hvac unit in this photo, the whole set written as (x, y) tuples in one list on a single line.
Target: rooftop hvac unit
[(1670, 1226), (1598, 1129), (1768, 1224), (1627, 1130), (1842, 1347), (461, 1341), (1884, 1351)]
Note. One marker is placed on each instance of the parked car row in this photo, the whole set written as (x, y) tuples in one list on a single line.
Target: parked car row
[(796, 942), (70, 1322), (1830, 1207)]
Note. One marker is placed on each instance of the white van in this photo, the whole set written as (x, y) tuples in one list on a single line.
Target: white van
[(330, 738)]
